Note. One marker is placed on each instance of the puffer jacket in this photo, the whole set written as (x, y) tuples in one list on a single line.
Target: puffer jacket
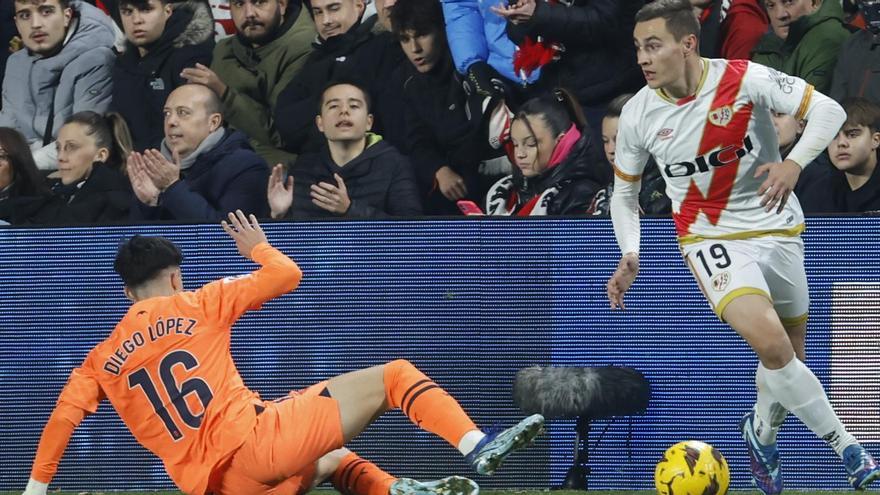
[(77, 78), (565, 189), (142, 84)]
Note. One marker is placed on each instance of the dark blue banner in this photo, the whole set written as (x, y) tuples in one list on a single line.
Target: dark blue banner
[(468, 301)]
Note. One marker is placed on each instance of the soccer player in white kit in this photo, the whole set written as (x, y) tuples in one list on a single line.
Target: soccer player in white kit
[(708, 125)]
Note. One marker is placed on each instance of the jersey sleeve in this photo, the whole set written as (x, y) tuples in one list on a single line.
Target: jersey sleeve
[(630, 155), (81, 396), (82, 390), (777, 90), (227, 299)]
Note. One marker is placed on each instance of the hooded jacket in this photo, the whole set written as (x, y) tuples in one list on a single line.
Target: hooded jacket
[(225, 178), (576, 180), (811, 48), (256, 76), (380, 182), (476, 34), (361, 54), (142, 84), (77, 78)]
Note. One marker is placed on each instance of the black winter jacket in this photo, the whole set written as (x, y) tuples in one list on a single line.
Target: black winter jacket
[(578, 178), (599, 61), (104, 197), (141, 85), (380, 182), (228, 177), (439, 130), (361, 54)]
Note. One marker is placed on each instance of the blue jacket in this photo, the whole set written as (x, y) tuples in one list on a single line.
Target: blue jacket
[(475, 34), (228, 177)]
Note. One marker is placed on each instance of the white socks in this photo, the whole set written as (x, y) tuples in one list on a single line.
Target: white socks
[(469, 441), (769, 414), (35, 487), (798, 390)]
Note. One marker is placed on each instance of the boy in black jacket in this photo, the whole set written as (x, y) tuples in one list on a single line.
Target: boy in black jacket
[(162, 40), (356, 174)]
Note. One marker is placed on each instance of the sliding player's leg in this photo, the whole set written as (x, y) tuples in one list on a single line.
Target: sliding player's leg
[(350, 474), (364, 395)]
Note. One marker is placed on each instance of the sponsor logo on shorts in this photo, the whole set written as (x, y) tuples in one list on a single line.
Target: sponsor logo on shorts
[(721, 116), (721, 281)]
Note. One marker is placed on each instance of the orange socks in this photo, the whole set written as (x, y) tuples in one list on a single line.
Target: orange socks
[(356, 476), (424, 403)]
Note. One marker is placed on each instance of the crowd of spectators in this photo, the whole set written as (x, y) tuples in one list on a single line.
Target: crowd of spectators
[(145, 110)]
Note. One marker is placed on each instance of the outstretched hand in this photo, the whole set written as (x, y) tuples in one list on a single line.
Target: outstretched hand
[(246, 232), (279, 192), (622, 279)]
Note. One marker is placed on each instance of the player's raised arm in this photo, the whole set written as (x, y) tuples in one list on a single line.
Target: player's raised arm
[(80, 397), (229, 298), (246, 232)]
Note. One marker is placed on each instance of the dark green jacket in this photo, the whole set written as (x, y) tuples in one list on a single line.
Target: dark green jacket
[(810, 51), (255, 76)]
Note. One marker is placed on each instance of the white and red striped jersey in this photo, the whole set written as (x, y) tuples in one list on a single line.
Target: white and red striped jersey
[(709, 145)]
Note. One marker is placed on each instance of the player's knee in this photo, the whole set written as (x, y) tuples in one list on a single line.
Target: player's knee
[(774, 351), (399, 365)]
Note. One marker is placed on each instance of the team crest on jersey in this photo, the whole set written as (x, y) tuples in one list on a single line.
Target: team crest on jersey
[(721, 281), (721, 116)]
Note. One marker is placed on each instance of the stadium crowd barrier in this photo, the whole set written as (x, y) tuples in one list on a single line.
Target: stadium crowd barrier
[(468, 301)]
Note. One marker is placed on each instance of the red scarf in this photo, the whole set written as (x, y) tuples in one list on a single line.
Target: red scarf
[(564, 146)]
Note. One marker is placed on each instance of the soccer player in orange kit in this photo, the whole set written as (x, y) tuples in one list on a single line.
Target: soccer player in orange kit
[(167, 370)]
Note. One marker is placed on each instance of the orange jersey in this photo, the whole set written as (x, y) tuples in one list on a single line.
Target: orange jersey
[(168, 372)]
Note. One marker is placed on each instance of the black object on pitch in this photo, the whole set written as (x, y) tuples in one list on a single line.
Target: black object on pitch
[(587, 394)]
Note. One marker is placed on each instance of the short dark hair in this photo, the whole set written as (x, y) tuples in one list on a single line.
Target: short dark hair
[(141, 258), (861, 111), (65, 4), (139, 4), (615, 108), (420, 16), (678, 14), (350, 82)]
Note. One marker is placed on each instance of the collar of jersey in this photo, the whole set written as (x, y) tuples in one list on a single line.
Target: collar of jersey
[(662, 94)]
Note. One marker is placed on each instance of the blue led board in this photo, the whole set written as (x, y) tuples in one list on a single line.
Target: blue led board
[(468, 301)]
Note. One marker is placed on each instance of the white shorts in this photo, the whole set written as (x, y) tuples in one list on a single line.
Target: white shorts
[(769, 266)]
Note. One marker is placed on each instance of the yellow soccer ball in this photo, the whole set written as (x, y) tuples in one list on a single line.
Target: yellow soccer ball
[(692, 468)]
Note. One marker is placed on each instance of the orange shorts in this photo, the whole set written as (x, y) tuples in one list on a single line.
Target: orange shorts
[(279, 457)]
